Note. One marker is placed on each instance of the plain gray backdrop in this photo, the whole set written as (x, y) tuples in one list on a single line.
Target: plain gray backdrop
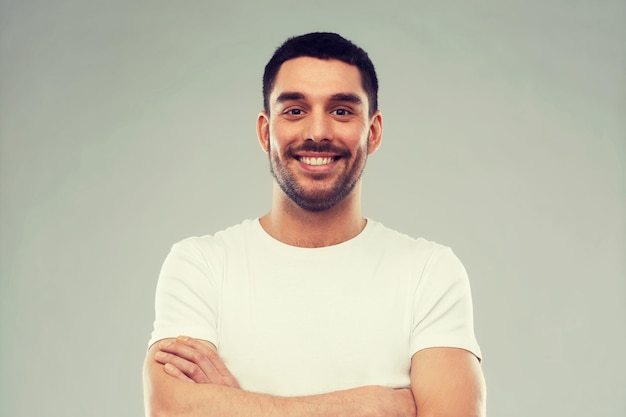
[(128, 125)]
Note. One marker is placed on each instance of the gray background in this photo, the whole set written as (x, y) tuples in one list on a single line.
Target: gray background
[(126, 126)]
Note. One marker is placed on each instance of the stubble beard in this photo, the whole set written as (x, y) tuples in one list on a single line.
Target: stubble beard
[(320, 199)]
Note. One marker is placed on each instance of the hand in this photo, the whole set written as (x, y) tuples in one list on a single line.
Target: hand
[(194, 361)]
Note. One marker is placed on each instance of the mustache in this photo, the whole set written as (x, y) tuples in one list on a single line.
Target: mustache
[(323, 147)]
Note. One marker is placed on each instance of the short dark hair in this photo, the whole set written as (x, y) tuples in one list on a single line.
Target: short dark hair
[(323, 45)]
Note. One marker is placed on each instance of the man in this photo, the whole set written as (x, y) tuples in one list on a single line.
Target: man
[(312, 309)]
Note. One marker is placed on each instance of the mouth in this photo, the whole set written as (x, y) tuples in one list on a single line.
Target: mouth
[(318, 160)]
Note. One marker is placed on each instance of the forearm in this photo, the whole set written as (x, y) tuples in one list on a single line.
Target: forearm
[(184, 399), (169, 397)]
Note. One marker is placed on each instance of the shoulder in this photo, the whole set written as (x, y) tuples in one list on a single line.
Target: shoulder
[(403, 243), (427, 260), (210, 247), (220, 238)]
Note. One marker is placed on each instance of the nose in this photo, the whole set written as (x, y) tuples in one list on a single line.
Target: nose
[(319, 127)]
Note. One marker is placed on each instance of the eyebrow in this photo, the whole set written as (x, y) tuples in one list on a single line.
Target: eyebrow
[(289, 95), (347, 97), (293, 95)]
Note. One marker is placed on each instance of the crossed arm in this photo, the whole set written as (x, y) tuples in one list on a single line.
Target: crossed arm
[(186, 377)]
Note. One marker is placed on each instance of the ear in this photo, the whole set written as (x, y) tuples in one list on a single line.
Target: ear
[(376, 132), (263, 130)]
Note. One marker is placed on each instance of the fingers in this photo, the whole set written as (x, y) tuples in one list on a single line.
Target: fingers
[(194, 360), (176, 373), (180, 367), (210, 352)]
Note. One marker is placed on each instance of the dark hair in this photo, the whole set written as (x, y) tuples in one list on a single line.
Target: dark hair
[(323, 45)]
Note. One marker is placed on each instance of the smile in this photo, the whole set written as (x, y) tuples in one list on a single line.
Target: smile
[(317, 161)]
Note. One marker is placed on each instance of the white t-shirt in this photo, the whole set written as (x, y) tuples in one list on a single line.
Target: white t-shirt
[(300, 321)]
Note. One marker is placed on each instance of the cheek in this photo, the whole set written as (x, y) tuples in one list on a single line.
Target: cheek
[(353, 135), (280, 136), (274, 145)]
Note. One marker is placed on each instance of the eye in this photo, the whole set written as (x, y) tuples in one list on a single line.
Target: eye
[(342, 112), (294, 112)]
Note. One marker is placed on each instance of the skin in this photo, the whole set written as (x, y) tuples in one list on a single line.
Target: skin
[(318, 118), (316, 104), (186, 377)]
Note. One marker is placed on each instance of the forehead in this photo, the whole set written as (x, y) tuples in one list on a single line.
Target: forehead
[(316, 77)]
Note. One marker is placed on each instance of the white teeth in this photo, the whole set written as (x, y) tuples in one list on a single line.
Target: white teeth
[(316, 161)]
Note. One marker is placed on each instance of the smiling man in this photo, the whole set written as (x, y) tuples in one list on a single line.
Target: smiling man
[(313, 309), (322, 100)]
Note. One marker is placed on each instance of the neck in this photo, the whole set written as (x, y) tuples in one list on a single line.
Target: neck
[(294, 226)]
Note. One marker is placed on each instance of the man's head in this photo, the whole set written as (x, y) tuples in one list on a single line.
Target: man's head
[(319, 123), (323, 45)]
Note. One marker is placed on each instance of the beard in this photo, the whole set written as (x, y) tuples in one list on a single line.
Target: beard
[(317, 199)]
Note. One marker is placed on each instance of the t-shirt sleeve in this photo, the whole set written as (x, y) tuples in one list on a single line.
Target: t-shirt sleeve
[(186, 301), (443, 313)]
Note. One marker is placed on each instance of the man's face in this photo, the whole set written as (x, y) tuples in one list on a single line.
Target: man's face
[(318, 133)]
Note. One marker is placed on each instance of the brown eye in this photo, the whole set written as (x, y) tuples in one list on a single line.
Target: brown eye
[(341, 112)]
